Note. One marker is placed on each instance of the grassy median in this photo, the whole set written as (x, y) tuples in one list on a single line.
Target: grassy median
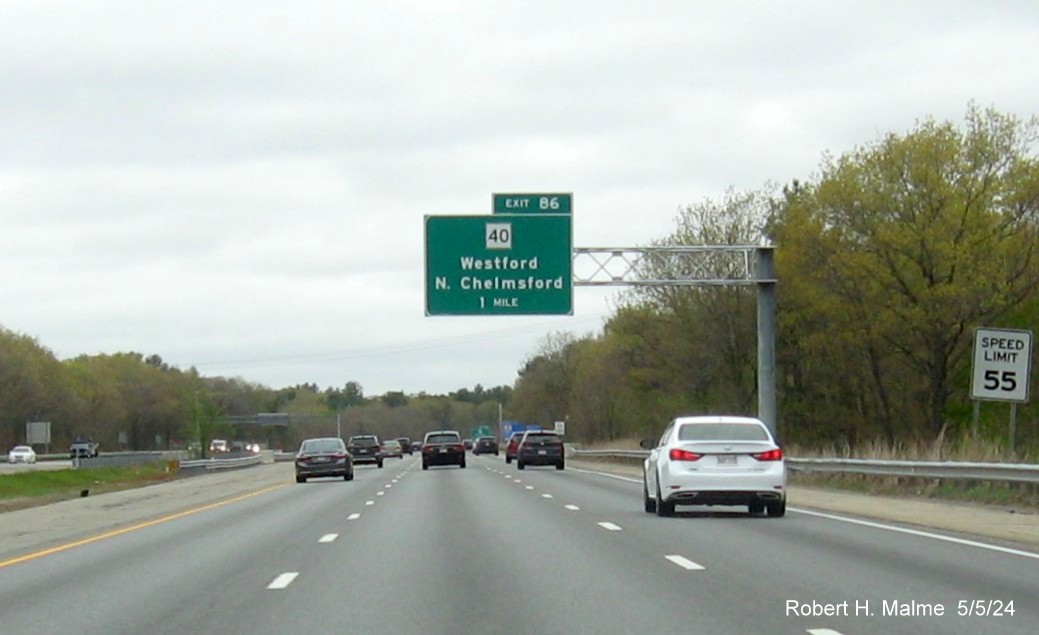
[(29, 489)]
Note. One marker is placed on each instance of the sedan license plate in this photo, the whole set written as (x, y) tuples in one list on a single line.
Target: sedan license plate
[(442, 450), (542, 451), (726, 459), (321, 459)]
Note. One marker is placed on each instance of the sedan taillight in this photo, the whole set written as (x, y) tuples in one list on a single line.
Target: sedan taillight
[(771, 455), (678, 454)]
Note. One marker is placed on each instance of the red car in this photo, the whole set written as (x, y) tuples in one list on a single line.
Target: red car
[(513, 446)]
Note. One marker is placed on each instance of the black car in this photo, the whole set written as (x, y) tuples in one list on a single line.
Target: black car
[(323, 457), (405, 444), (443, 447), (486, 445), (540, 447), (365, 448)]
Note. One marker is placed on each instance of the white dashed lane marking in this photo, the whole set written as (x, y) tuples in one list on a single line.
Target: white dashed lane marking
[(685, 563), (328, 538), (823, 631), (353, 516), (609, 527), (283, 581), (573, 508)]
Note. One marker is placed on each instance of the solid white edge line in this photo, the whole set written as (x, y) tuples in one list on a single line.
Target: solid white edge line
[(283, 580), (610, 526), (685, 563), (922, 534), (328, 538), (866, 523)]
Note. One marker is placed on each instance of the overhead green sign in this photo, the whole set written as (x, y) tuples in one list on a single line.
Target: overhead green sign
[(499, 265), (533, 203)]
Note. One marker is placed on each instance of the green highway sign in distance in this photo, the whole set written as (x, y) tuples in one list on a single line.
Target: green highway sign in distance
[(533, 203), (499, 265)]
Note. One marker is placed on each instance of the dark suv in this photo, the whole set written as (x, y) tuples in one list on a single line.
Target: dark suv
[(443, 447), (485, 445), (540, 447), (365, 448)]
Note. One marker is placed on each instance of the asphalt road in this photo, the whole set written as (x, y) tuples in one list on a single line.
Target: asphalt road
[(490, 549)]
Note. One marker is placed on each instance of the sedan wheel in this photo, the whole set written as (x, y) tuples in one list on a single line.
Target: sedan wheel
[(755, 508), (519, 464), (301, 479), (648, 503), (664, 509), (777, 510)]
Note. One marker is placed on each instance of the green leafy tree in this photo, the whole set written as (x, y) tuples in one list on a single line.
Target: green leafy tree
[(905, 245)]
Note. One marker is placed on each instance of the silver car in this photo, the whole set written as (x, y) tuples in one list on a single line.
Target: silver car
[(21, 454), (714, 460)]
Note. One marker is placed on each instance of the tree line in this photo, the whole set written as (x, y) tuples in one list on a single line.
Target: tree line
[(129, 401)]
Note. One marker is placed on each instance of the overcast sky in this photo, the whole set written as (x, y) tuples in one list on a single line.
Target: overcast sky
[(241, 186)]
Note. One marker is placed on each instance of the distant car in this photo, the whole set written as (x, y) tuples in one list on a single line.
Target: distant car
[(416, 446), (365, 448), (392, 449), (486, 445), (468, 443), (714, 460), (512, 445), (82, 447), (405, 444), (443, 447), (21, 454), (540, 447), (252, 447), (323, 457), (219, 446)]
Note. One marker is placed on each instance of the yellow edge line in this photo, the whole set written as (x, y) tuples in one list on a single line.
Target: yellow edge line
[(126, 530)]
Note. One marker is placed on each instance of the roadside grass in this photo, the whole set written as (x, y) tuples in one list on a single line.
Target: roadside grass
[(29, 489)]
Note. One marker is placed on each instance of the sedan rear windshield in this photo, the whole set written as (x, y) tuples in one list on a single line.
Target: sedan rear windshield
[(722, 432), (543, 438), (443, 438), (364, 442), (321, 445)]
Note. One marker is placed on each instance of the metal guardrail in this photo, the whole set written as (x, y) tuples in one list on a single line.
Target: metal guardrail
[(1011, 472), (120, 459), (208, 465)]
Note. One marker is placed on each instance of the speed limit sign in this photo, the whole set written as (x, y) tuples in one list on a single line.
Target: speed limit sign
[(1002, 365)]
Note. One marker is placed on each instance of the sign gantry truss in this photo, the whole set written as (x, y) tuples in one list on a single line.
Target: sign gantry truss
[(696, 266), (670, 266)]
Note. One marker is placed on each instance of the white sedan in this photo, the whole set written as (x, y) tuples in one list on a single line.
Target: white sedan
[(21, 454), (714, 460)]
